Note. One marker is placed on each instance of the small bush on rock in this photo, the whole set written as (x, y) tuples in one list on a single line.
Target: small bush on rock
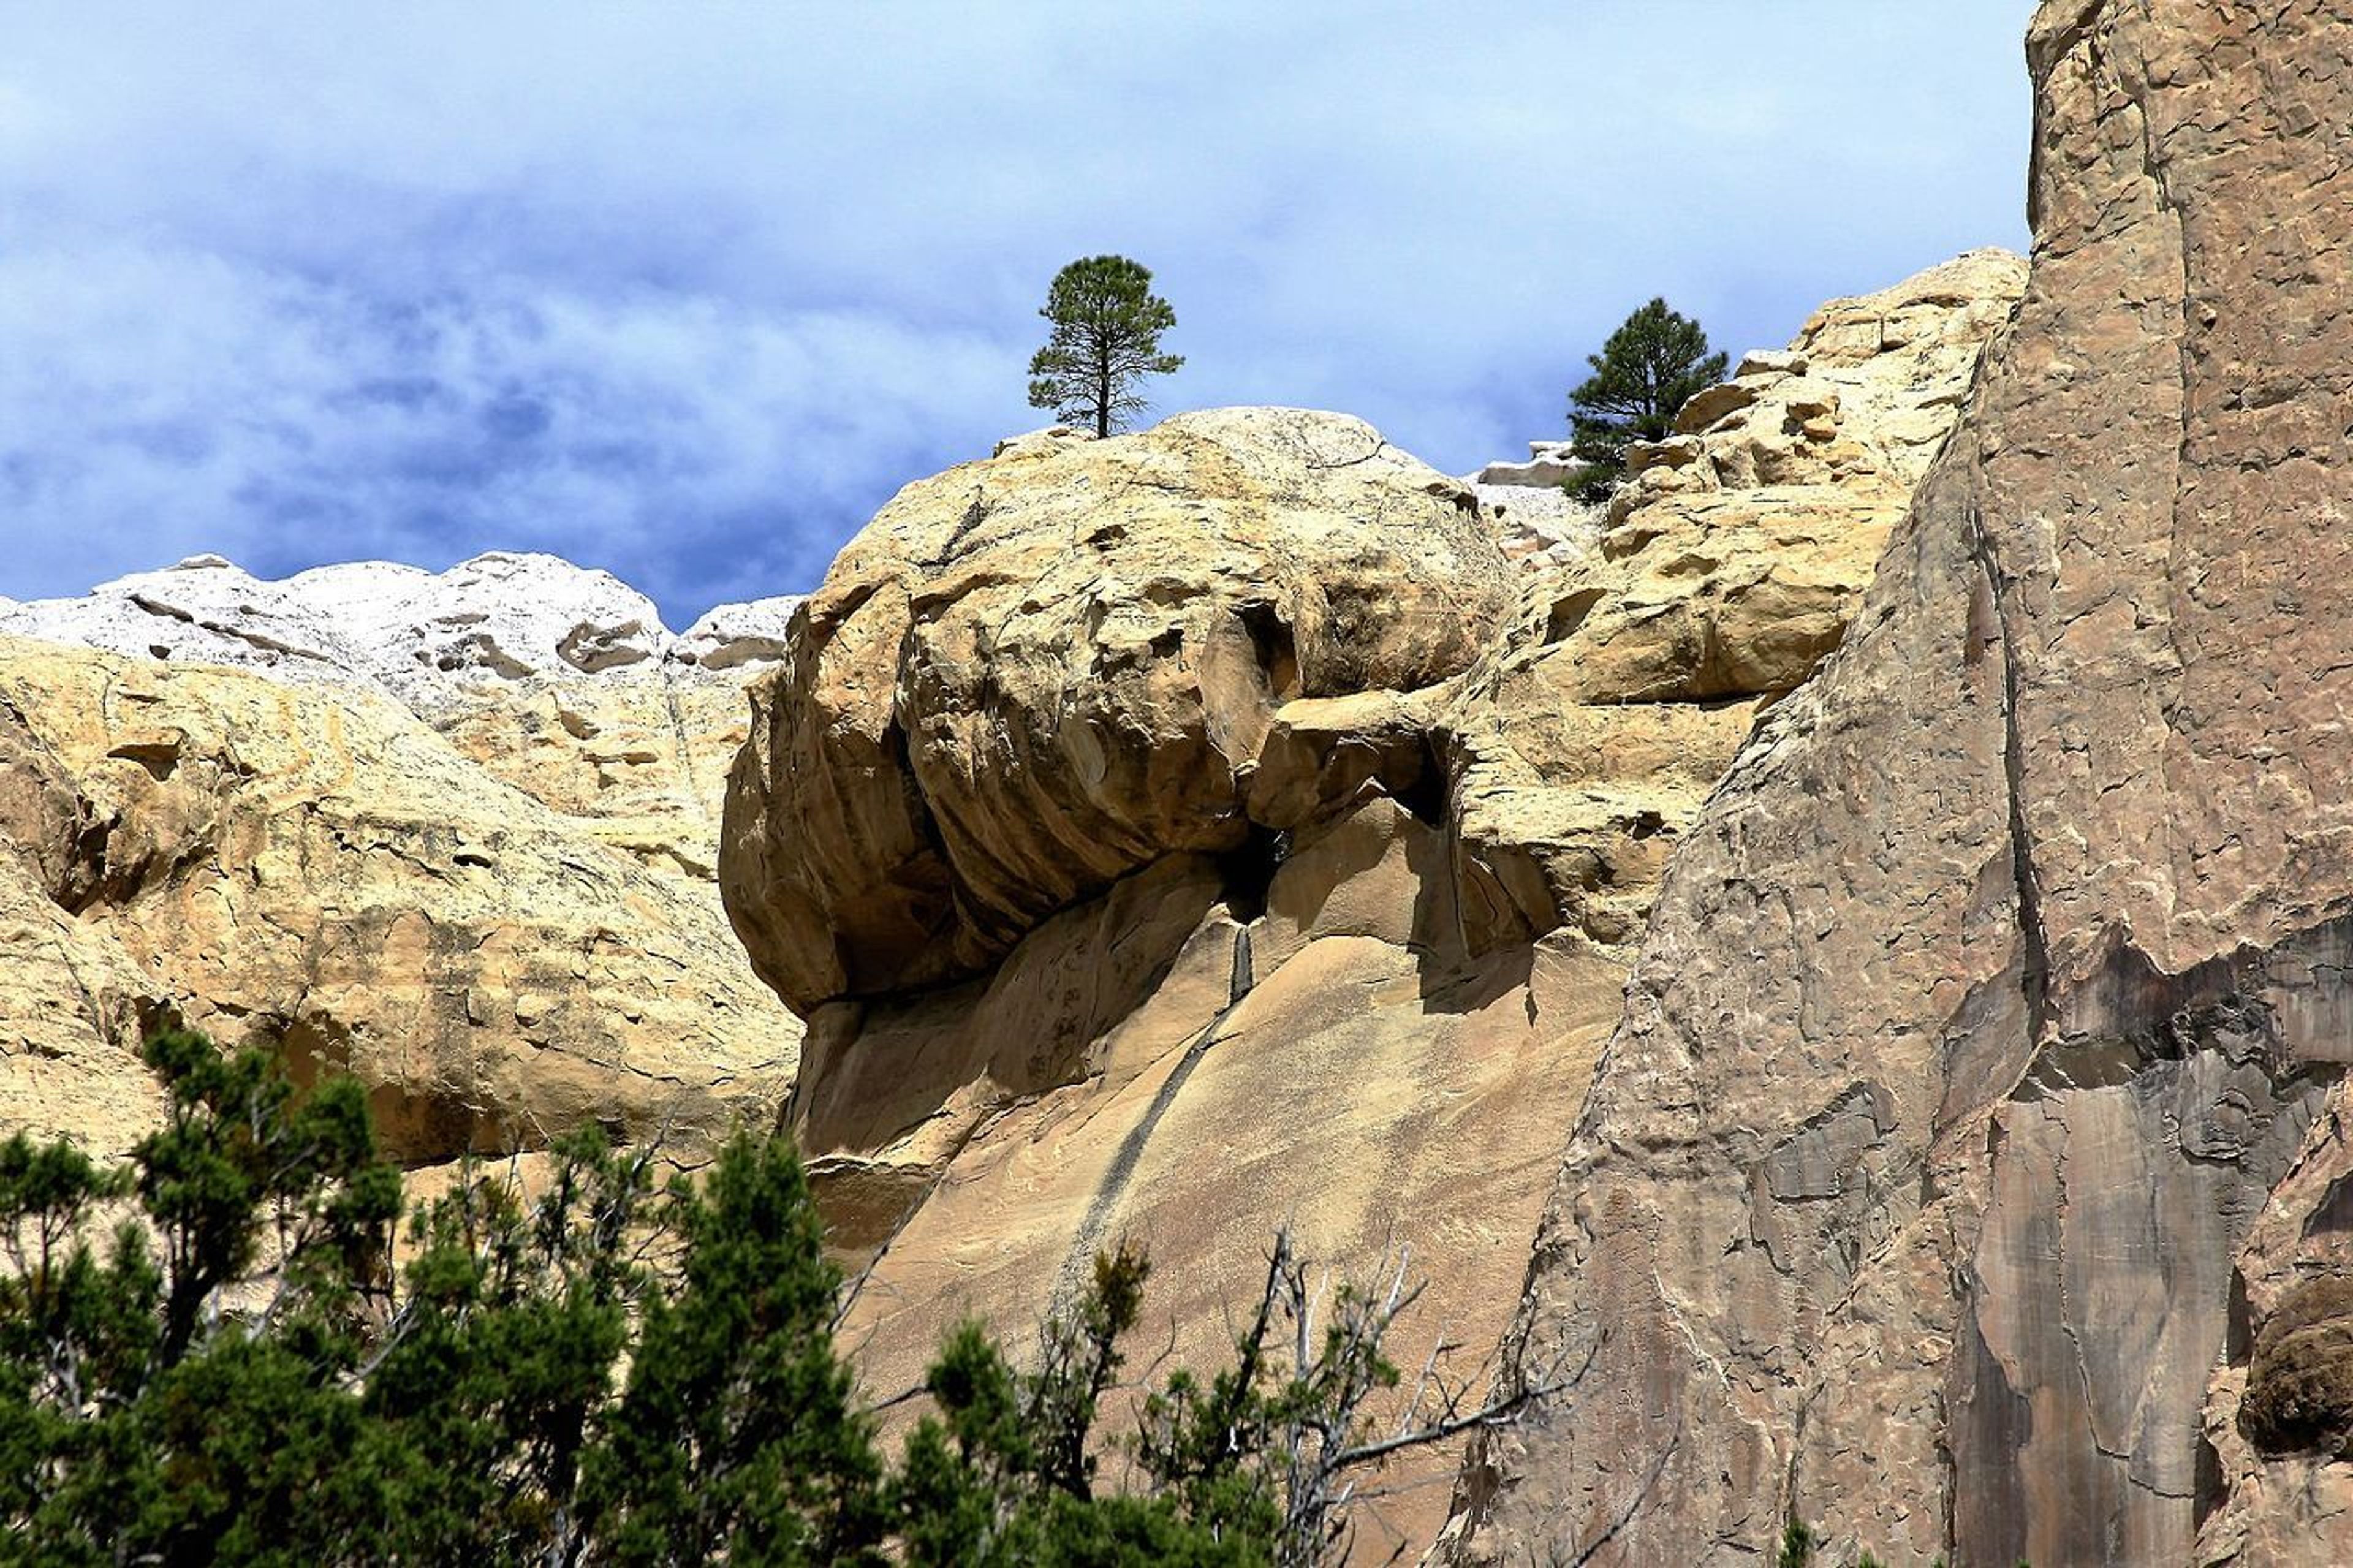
[(2300, 1381)]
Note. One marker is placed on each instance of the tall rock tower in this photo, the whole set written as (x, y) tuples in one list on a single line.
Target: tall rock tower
[(1972, 1138)]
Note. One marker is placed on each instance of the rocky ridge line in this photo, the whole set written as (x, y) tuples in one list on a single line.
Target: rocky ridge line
[(418, 635)]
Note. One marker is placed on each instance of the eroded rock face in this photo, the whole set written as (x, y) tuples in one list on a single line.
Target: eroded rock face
[(316, 867), (1533, 517), (1336, 1064), (1614, 697), (2299, 1396), (2001, 984), (1542, 527), (2277, 1413), (71, 1001), (457, 832), (1355, 977), (557, 678), (1029, 677)]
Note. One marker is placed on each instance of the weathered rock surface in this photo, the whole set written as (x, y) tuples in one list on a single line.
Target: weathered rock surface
[(1336, 1064), (2277, 1413), (315, 865), (1613, 699), (71, 1001), (2001, 984), (1867, 391), (415, 633), (1550, 465), (1322, 910), (1542, 527), (427, 639), (1029, 677), (559, 679), (1742, 541), (457, 832), (2299, 1394), (729, 636)]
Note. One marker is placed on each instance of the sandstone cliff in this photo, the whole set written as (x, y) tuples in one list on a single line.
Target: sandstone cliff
[(1211, 828), (454, 833), (1977, 1093)]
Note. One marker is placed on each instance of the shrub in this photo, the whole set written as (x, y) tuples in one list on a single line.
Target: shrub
[(208, 1356)]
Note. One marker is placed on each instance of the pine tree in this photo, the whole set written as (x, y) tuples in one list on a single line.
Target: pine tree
[(738, 1438), (1651, 366), (1106, 339), (255, 1385), (140, 1417), (585, 1369)]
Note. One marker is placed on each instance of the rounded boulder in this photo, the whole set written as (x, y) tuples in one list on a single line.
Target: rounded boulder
[(1030, 676)]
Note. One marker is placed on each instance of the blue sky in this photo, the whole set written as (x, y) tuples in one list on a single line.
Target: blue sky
[(687, 289)]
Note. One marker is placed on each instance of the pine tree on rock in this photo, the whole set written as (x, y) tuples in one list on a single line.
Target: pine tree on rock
[(1106, 339), (1652, 364)]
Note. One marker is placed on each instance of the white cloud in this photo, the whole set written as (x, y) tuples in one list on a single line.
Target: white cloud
[(687, 291), (168, 403)]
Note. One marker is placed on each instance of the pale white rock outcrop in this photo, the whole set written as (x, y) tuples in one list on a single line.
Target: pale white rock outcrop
[(499, 614), (728, 635), (1537, 522), (1540, 526), (1550, 465), (409, 632)]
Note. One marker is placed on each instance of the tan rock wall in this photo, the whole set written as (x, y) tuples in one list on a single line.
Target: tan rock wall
[(1999, 984), (638, 757), (315, 864), (1335, 1066), (1355, 975)]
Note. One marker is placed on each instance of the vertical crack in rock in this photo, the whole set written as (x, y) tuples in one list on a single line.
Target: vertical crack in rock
[(2034, 967), (2168, 210), (693, 795), (1121, 1170)]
